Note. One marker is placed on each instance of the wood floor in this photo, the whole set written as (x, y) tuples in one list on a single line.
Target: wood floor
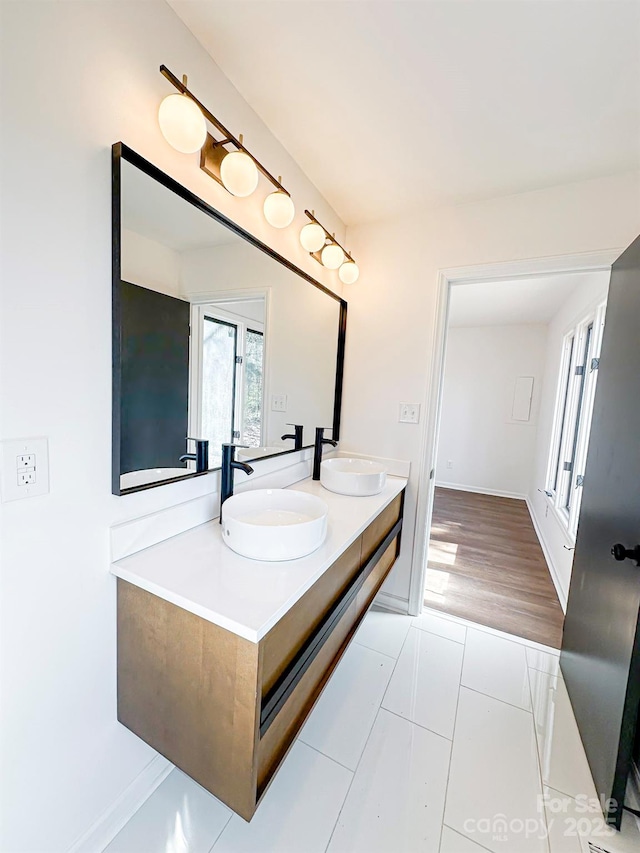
[(486, 565)]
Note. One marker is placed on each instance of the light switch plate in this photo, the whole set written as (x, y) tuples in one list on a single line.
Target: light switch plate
[(278, 402), (409, 413), (20, 480)]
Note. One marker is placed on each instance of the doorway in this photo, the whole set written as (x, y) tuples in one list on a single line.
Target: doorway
[(510, 445), (227, 402)]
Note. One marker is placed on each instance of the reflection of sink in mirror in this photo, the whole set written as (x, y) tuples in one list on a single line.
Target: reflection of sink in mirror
[(274, 524), (357, 477), (150, 475), (218, 339), (246, 454)]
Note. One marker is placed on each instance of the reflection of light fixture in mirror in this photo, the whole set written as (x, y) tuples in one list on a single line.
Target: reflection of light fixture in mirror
[(349, 272), (325, 249), (182, 124), (278, 209), (238, 173), (332, 256), (237, 170), (312, 237)]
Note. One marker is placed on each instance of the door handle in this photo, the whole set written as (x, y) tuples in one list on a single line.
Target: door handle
[(621, 553)]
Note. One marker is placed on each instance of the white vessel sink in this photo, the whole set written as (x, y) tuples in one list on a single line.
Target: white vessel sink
[(245, 453), (357, 477), (274, 524)]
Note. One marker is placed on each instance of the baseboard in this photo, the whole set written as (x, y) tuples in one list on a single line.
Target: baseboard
[(103, 830), (498, 493), (391, 603), (562, 595)]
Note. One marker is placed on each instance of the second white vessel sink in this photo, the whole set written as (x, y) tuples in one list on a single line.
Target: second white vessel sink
[(274, 524), (357, 477)]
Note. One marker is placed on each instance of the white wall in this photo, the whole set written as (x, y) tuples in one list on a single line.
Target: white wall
[(553, 535), (82, 76), (149, 264), (392, 307), (489, 451)]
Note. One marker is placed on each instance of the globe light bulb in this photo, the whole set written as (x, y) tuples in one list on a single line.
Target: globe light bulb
[(182, 124), (349, 272), (278, 209), (312, 237), (332, 256), (239, 174)]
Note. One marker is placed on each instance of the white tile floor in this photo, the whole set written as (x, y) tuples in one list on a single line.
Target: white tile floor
[(434, 735)]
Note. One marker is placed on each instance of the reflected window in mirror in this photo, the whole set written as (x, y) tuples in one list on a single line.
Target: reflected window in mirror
[(229, 342)]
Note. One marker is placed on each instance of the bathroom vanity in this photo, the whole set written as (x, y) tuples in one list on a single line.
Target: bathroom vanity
[(221, 658)]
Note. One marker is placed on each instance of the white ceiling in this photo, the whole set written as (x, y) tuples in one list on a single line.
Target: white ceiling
[(392, 106), (516, 301)]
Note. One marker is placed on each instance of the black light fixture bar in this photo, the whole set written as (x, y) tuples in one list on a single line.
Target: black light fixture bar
[(329, 236), (228, 137)]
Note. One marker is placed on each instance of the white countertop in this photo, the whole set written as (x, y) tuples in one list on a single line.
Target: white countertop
[(198, 572)]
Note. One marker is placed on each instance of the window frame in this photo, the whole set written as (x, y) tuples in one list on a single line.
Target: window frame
[(216, 311), (573, 412)]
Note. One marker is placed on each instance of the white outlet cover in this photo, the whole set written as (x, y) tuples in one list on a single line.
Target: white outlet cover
[(12, 451)]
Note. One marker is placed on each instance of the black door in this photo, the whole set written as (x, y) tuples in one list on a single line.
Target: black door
[(600, 656), (155, 379)]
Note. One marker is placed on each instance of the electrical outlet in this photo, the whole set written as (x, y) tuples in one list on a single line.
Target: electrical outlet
[(278, 402), (409, 413), (24, 472), (27, 477)]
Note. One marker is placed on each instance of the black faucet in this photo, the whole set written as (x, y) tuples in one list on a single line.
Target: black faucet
[(297, 436), (317, 451), (226, 472), (200, 457)]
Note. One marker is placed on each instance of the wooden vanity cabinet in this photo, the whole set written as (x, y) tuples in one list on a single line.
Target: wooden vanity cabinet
[(226, 710)]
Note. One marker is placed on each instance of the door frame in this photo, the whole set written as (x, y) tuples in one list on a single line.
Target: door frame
[(600, 261)]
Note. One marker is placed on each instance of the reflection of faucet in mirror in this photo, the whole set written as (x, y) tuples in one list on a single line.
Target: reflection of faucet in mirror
[(317, 452), (226, 473), (297, 436), (200, 457)]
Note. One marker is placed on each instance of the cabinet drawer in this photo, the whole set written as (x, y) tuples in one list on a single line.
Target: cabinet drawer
[(380, 527), (375, 580), (284, 641), (276, 741)]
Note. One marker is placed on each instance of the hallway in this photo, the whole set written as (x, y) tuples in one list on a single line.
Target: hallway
[(486, 565)]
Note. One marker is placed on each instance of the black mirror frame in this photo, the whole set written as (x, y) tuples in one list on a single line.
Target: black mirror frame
[(119, 152)]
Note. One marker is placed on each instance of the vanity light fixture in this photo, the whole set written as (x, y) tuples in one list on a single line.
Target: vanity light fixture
[(324, 247), (238, 173), (312, 237), (278, 209), (332, 256), (182, 124), (349, 272), (236, 170)]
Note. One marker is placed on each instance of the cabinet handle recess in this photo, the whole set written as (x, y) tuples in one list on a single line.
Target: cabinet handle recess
[(288, 681)]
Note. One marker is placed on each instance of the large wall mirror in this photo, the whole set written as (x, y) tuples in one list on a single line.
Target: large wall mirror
[(215, 336)]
